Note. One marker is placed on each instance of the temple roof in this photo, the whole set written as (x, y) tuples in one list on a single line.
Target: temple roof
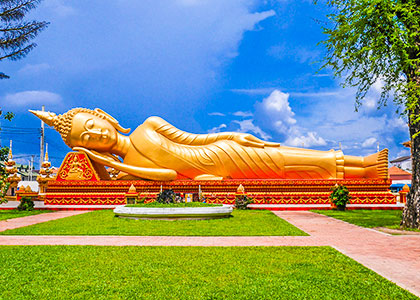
[(396, 173), (400, 159)]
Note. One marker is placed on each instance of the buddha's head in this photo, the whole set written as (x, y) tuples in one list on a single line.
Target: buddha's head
[(82, 127)]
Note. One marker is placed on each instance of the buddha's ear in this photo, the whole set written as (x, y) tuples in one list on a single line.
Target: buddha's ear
[(113, 121)]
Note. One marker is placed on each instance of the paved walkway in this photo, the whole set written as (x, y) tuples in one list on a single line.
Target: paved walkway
[(223, 241), (396, 258), (35, 219)]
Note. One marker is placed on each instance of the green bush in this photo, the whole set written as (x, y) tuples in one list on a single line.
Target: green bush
[(141, 200), (167, 196), (26, 203), (340, 196), (242, 201)]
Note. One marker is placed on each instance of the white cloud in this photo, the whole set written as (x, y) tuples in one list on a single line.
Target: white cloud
[(396, 123), (249, 126), (243, 114), (60, 8), (31, 98), (298, 53), (277, 111), (322, 75), (260, 91), (265, 91), (216, 114), (310, 140), (404, 152), (369, 142), (378, 85), (274, 114), (36, 68), (334, 118), (217, 128), (315, 94), (369, 103)]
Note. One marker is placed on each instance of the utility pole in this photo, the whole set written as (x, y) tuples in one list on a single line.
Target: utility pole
[(41, 153), (31, 168)]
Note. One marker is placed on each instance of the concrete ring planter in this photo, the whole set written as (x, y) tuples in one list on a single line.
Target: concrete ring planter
[(174, 213)]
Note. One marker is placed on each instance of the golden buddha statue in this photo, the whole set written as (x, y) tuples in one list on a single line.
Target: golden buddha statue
[(156, 150)]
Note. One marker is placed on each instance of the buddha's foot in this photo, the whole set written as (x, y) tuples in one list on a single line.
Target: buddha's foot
[(376, 165)]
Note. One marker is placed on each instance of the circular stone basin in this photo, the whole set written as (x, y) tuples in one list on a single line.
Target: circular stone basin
[(174, 213)]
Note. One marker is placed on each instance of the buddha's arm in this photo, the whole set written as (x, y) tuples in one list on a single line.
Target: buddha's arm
[(181, 137), (145, 173)]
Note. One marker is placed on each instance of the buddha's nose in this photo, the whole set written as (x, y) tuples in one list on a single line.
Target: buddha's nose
[(95, 132)]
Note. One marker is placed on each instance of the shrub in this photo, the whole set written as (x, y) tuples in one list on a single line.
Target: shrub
[(242, 201), (141, 200), (26, 203), (167, 196), (4, 186), (339, 196)]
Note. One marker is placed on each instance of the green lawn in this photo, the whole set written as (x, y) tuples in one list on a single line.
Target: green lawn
[(367, 218), (11, 214), (103, 222), (94, 272)]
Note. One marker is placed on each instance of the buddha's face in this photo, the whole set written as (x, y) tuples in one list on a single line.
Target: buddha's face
[(92, 132)]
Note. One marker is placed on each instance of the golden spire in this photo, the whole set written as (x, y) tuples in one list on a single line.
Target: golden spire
[(10, 157), (46, 152), (132, 189)]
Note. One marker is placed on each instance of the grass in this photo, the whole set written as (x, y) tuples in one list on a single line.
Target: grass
[(188, 204), (94, 272), (398, 227), (368, 218), (14, 213), (103, 222)]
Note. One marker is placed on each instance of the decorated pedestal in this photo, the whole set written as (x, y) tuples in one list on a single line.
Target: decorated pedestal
[(81, 182)]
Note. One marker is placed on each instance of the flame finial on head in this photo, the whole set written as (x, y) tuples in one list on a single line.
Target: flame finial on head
[(46, 116)]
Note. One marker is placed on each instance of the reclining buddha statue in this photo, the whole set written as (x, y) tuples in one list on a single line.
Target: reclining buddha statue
[(156, 150)]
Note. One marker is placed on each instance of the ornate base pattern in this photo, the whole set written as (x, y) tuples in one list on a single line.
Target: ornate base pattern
[(275, 191)]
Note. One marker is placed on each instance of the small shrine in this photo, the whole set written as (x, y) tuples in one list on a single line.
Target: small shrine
[(44, 173), (13, 178)]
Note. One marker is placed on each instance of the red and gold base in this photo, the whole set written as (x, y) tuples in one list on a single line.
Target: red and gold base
[(112, 192), (82, 182)]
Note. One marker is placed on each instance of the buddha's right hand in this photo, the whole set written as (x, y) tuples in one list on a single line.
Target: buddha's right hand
[(96, 156)]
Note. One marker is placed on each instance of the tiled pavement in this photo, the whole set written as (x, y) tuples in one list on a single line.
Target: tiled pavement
[(396, 258), (35, 219)]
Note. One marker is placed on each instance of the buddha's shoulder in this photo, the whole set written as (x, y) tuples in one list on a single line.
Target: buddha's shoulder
[(149, 123), (154, 122)]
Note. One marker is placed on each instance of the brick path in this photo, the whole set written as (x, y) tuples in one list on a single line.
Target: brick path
[(35, 219), (396, 258)]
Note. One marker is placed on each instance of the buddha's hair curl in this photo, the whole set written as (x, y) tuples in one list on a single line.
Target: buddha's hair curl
[(63, 123)]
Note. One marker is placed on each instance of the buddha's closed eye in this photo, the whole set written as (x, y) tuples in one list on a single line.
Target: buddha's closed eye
[(89, 124)]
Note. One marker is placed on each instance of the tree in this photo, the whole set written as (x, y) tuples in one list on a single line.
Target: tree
[(372, 40), (15, 33)]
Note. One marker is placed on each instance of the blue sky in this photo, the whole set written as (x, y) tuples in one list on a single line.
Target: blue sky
[(203, 65)]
